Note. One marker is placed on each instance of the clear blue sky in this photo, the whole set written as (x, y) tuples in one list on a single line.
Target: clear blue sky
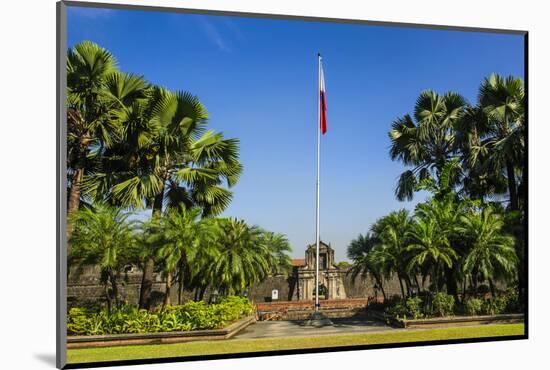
[(258, 80)]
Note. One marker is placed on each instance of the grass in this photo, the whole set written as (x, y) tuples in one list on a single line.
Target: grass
[(274, 344)]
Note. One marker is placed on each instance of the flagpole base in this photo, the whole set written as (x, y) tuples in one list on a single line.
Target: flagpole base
[(318, 320)]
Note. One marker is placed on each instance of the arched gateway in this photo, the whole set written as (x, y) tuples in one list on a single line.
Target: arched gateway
[(330, 276)]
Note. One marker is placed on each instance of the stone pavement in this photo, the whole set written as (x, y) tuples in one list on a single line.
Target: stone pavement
[(274, 329)]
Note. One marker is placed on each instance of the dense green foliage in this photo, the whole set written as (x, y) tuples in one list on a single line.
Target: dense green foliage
[(132, 146), (442, 305), (131, 319), (469, 232)]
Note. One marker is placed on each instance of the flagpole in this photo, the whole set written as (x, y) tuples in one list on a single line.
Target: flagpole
[(317, 236)]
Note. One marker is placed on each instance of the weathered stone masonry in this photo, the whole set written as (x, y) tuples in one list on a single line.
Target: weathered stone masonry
[(85, 288)]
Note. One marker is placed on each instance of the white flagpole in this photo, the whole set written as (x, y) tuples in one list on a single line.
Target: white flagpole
[(318, 182)]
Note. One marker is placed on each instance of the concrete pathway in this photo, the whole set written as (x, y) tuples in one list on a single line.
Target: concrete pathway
[(274, 329)]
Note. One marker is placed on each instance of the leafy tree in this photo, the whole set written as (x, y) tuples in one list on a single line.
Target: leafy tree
[(182, 235), (361, 246), (175, 162), (279, 248), (243, 259), (491, 254), (392, 234), (104, 236), (428, 141), (502, 100), (429, 246)]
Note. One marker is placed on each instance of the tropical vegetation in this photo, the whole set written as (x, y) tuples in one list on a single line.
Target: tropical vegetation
[(130, 319), (469, 231), (136, 147)]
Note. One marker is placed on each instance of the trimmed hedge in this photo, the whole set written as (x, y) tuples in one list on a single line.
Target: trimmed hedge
[(441, 304), (186, 317)]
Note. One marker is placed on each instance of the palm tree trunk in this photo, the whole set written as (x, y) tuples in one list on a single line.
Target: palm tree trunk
[(492, 287), (168, 288), (74, 193), (114, 286), (452, 287), (401, 285), (74, 202), (512, 188), (148, 268), (417, 283), (108, 296)]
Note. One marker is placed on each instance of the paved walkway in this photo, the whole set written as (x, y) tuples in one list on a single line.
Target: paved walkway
[(274, 329)]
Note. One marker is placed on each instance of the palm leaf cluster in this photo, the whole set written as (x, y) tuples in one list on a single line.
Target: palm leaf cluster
[(135, 145), (487, 141), (473, 153), (446, 241), (223, 254)]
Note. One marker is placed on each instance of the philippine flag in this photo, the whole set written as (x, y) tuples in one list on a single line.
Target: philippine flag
[(322, 100)]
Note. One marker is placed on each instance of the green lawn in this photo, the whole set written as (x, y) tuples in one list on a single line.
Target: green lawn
[(253, 345)]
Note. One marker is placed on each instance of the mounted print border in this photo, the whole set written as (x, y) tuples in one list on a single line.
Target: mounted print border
[(314, 304)]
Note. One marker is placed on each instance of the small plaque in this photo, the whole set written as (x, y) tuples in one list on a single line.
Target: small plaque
[(274, 295)]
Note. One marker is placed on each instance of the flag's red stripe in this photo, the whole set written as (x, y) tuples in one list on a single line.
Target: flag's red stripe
[(323, 113)]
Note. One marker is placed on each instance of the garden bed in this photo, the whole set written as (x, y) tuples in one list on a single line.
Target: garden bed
[(109, 340), (441, 322)]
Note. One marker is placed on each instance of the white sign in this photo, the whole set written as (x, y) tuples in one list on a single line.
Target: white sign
[(274, 295)]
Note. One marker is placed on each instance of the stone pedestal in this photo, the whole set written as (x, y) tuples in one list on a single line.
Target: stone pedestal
[(318, 320)]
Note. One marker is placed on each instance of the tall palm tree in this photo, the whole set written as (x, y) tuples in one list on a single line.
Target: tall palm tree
[(175, 162), (182, 236), (427, 142), (502, 101), (89, 109), (491, 254), (243, 259), (102, 235)]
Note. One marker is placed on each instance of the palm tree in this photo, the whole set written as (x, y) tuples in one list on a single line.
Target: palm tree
[(279, 248), (243, 260), (427, 142), (491, 254), (103, 236), (175, 162), (430, 247), (89, 107), (502, 101), (182, 236), (391, 235), (374, 264), (361, 246)]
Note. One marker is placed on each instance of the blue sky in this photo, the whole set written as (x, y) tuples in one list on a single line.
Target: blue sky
[(258, 80)]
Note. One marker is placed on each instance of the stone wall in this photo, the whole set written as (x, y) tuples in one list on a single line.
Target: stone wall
[(86, 289)]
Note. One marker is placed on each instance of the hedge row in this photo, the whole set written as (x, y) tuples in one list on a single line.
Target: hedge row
[(441, 304), (186, 317)]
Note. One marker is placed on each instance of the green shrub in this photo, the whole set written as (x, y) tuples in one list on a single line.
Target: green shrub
[(494, 306), (443, 304), (513, 303), (130, 319), (397, 310), (411, 308), (473, 306), (414, 307)]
